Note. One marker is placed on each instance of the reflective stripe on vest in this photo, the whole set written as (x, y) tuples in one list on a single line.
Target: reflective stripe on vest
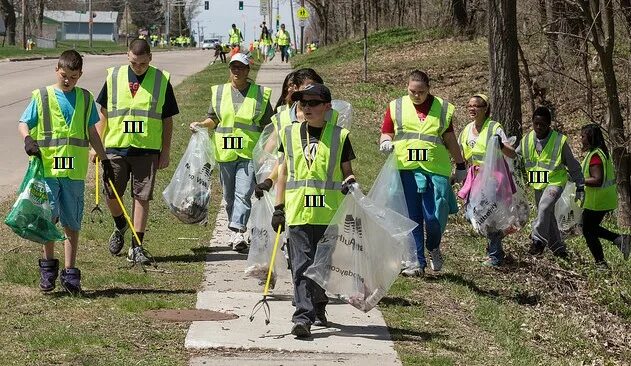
[(412, 134), (475, 155), (282, 38), (135, 121), (64, 147), (322, 179), (548, 161), (238, 131), (235, 35), (605, 197)]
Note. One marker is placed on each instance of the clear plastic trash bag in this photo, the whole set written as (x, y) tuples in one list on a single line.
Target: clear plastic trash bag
[(567, 211), (31, 216), (387, 192), (265, 155), (262, 239), (359, 256), (188, 193), (491, 196), (345, 113), (520, 207)]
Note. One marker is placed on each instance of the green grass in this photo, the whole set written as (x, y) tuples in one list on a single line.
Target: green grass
[(532, 312), (98, 47), (107, 325)]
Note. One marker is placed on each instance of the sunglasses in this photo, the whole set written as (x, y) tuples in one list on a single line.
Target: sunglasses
[(312, 103)]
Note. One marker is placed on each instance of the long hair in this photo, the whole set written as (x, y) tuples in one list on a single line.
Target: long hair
[(283, 95), (595, 137), (307, 73)]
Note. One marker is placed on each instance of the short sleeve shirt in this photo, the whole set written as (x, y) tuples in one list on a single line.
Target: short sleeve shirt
[(67, 102)]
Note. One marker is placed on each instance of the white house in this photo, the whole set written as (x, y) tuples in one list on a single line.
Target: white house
[(74, 25)]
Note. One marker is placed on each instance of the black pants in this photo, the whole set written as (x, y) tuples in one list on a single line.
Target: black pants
[(309, 297), (592, 231)]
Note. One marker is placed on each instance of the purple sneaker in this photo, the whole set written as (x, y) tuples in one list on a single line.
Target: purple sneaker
[(48, 274), (71, 280)]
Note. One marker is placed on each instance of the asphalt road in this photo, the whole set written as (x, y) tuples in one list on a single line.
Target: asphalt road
[(20, 78)]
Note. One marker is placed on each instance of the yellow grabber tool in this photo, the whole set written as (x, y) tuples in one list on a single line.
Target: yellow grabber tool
[(263, 302), (133, 230), (96, 213)]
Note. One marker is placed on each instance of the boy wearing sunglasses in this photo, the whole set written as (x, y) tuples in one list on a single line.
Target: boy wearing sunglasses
[(312, 182)]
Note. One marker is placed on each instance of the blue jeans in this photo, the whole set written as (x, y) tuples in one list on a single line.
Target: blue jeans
[(421, 209), (284, 55), (237, 183), (494, 248)]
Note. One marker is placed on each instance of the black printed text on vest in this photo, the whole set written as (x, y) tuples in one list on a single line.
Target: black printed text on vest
[(232, 142), (417, 154), (134, 127), (63, 162), (538, 176), (314, 200)]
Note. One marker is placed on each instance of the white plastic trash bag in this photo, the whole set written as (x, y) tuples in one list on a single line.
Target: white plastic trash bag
[(387, 192), (345, 113), (520, 208), (262, 239), (359, 256), (188, 193), (265, 155), (567, 211)]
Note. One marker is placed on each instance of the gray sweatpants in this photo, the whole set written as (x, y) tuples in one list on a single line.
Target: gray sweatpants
[(545, 228)]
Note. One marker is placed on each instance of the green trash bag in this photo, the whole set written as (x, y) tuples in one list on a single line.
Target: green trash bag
[(31, 214)]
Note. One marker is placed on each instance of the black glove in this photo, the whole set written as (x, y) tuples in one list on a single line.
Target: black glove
[(31, 147), (264, 186), (499, 141), (347, 185), (278, 218), (108, 171)]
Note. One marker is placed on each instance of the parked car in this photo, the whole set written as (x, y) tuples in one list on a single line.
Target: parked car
[(210, 44)]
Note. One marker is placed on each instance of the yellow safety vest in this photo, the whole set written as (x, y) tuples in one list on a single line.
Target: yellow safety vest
[(238, 131), (545, 168), (312, 194), (135, 121), (605, 197), (64, 148), (476, 154), (420, 144), (235, 36), (282, 38), (267, 41)]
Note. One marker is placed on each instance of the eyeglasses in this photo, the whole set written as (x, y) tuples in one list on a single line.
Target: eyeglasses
[(312, 103)]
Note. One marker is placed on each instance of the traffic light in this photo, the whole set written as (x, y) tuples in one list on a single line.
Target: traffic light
[(240, 5)]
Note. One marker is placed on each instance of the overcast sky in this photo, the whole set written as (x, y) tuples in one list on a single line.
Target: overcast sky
[(223, 13)]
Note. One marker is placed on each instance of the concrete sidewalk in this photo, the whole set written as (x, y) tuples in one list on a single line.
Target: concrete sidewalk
[(354, 338)]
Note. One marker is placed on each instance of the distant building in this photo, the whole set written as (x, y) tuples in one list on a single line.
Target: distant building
[(73, 25)]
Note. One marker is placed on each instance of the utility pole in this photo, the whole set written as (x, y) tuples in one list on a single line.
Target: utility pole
[(168, 25), (302, 31), (365, 44), (90, 21), (271, 13), (24, 24), (179, 19), (127, 23), (278, 15), (293, 22)]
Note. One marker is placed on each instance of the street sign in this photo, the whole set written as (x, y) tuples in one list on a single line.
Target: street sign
[(264, 8), (302, 23), (302, 13)]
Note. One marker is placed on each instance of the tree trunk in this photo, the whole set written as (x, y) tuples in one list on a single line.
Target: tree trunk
[(625, 5), (503, 65), (459, 14), (8, 13)]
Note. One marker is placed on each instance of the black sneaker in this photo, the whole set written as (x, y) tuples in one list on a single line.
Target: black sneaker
[(321, 320), (71, 280), (536, 248), (301, 330), (117, 240), (139, 255), (48, 274)]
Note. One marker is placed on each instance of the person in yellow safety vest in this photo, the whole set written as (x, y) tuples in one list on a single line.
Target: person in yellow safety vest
[(138, 105), (238, 112), (318, 163), (548, 158), (57, 127), (256, 49), (266, 42), (601, 196), (473, 141), (282, 37), (235, 36), (419, 128), (154, 40)]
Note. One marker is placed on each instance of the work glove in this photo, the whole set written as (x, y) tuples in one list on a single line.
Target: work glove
[(346, 186), (278, 218), (386, 146), (580, 195), (262, 187), (499, 141), (461, 173), (108, 171), (31, 147)]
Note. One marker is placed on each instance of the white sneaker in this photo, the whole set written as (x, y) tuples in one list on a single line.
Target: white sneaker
[(238, 242), (436, 260), (413, 271)]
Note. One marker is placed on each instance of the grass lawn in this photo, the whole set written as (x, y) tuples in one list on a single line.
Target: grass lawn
[(107, 325), (98, 47), (531, 312)]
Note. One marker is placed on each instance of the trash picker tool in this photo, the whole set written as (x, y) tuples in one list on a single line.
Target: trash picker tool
[(96, 214), (263, 302)]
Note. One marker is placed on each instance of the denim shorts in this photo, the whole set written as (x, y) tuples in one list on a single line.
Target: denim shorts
[(66, 197)]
